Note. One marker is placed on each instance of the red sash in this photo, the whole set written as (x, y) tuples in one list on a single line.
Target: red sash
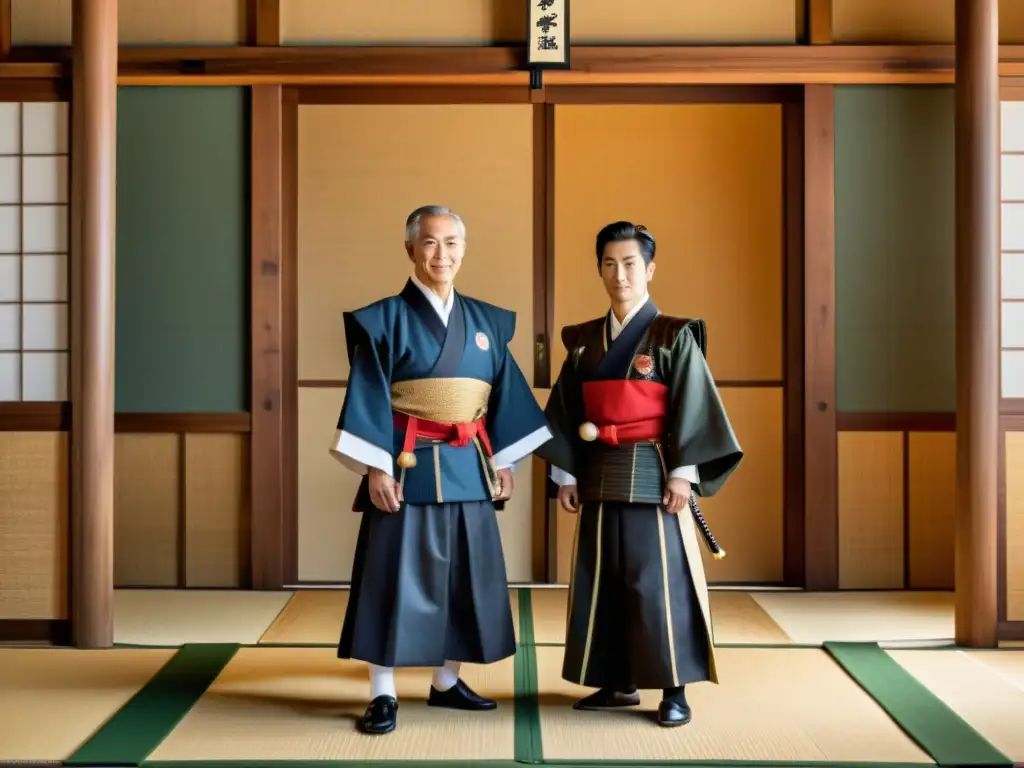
[(455, 435), (626, 410)]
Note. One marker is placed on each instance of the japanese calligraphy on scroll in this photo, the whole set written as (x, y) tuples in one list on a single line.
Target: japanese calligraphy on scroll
[(547, 34)]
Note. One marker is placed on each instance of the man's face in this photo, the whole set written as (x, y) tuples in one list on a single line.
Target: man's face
[(624, 272), (437, 252)]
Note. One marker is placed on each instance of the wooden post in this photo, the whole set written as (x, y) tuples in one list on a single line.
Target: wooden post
[(5, 29), (93, 155), (977, 319), (267, 452), (820, 457)]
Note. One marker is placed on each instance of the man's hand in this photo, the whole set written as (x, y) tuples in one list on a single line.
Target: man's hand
[(568, 496), (677, 495), (504, 490), (384, 491)]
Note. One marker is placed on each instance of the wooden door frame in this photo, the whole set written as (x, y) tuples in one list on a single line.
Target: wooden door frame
[(275, 299), (796, 553)]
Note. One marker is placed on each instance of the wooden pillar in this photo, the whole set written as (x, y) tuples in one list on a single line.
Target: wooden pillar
[(5, 29), (93, 155), (820, 457), (977, 318)]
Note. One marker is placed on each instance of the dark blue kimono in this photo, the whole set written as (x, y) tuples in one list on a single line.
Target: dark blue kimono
[(429, 582)]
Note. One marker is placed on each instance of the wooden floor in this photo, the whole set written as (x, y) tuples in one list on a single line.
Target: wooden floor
[(207, 678)]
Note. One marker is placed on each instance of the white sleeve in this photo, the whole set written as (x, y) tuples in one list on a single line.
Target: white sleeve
[(508, 458), (561, 478), (686, 473), (358, 454)]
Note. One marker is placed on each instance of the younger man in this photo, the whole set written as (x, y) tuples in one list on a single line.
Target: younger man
[(637, 418)]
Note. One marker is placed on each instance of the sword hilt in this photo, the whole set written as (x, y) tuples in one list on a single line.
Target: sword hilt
[(709, 538)]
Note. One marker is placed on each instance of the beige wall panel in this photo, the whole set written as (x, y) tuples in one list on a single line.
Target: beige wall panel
[(707, 181), (216, 510), (140, 22), (912, 21), (746, 516), (451, 22), (363, 169), (33, 525), (693, 21), (932, 514), (871, 510), (328, 528), (147, 504), (1015, 526)]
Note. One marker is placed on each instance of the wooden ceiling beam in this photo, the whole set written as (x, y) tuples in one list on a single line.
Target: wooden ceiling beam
[(592, 65)]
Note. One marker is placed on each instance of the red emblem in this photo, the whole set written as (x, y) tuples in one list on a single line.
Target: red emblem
[(643, 364)]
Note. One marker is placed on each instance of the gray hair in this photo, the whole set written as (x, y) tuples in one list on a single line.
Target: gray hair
[(412, 224)]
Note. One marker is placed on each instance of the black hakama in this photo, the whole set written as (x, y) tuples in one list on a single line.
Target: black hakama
[(634, 617), (429, 586)]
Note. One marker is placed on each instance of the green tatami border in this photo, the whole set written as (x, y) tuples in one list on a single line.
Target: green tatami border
[(509, 764), (139, 727), (942, 733), (528, 747)]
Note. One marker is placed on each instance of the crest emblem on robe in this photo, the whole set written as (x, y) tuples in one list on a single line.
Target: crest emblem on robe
[(643, 364), (482, 342)]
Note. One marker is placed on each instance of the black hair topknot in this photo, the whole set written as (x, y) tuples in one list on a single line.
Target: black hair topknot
[(625, 230)]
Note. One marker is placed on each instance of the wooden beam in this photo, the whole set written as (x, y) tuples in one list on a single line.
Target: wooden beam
[(819, 22), (35, 417), (977, 320), (821, 511), (94, 137), (32, 70), (267, 425), (263, 22), (598, 65)]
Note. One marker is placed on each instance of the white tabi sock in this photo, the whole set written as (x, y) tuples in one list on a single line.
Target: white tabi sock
[(382, 682), (447, 676)]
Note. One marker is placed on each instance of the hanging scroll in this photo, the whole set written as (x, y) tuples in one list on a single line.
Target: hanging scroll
[(547, 34)]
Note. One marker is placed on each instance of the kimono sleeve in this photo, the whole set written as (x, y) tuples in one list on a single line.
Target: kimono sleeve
[(563, 419), (515, 422), (700, 434), (564, 413), (364, 435)]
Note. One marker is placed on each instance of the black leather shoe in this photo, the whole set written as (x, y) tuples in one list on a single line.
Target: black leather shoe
[(381, 715), (459, 696), (608, 698), (672, 713)]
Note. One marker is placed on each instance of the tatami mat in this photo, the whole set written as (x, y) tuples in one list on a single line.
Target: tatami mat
[(53, 700), (985, 688), (311, 616), (178, 616), (315, 617), (303, 703), (814, 617), (735, 616), (774, 704)]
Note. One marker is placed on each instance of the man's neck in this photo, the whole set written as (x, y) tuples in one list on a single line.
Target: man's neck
[(622, 309), (441, 290)]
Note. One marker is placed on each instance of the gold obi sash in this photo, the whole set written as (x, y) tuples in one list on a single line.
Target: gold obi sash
[(450, 411)]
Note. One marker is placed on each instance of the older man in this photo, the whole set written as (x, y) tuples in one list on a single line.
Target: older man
[(436, 414)]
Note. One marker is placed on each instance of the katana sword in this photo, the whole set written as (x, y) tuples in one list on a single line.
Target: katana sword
[(709, 538)]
